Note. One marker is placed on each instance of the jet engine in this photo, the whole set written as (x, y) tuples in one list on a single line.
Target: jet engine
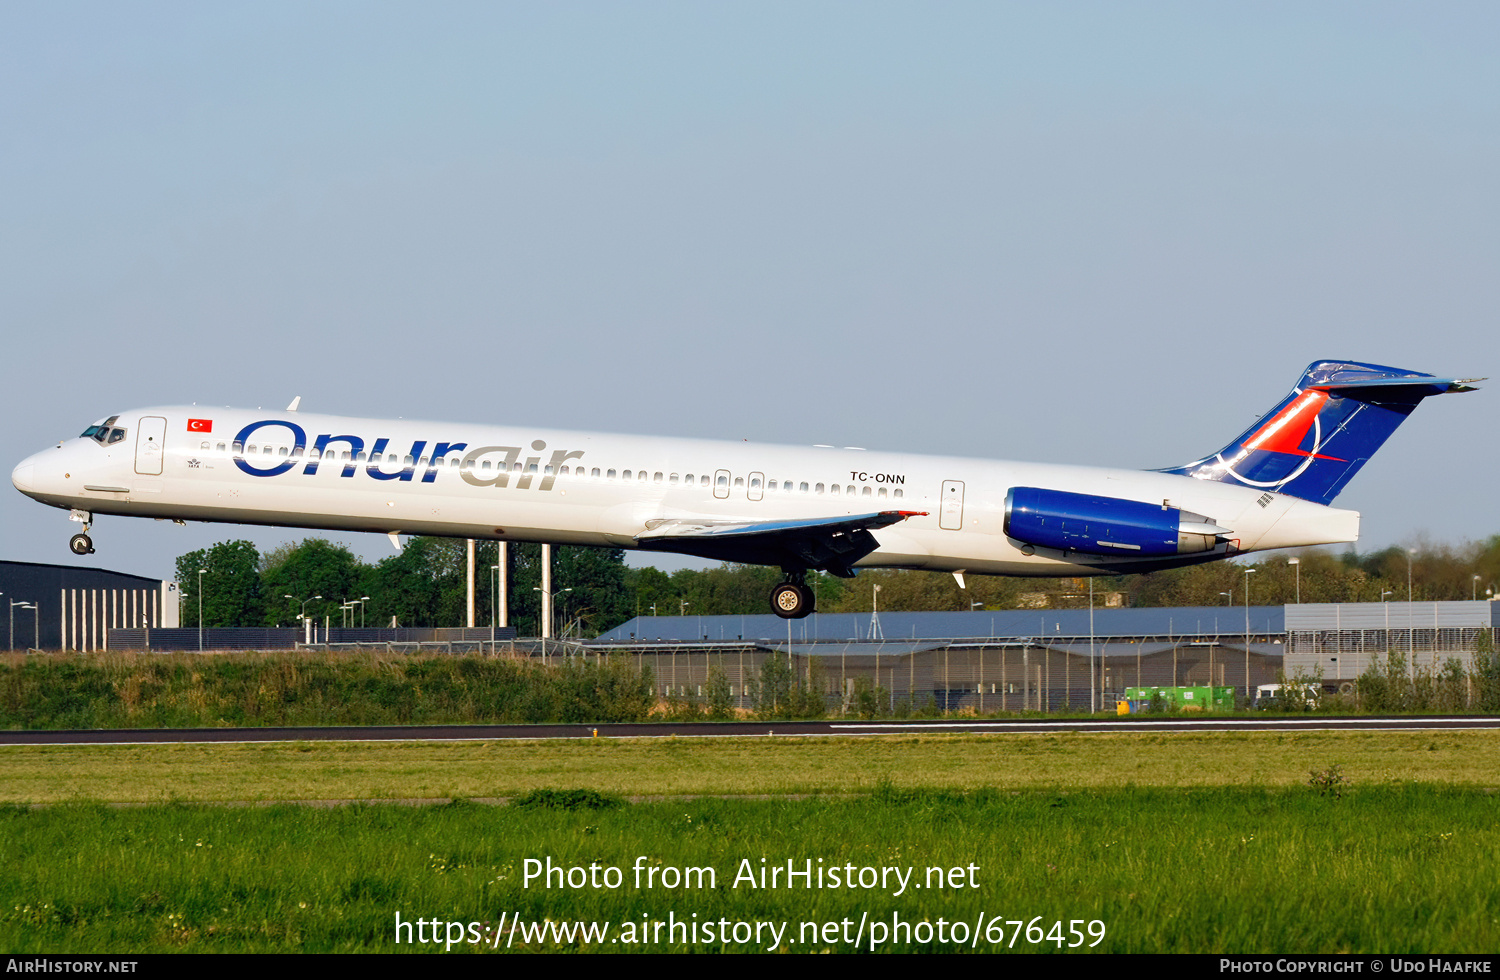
[(1105, 525)]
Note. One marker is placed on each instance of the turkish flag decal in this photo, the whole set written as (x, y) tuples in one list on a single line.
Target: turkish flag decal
[(200, 425)]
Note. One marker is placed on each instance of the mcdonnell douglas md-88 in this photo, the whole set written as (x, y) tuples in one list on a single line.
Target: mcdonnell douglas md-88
[(803, 509)]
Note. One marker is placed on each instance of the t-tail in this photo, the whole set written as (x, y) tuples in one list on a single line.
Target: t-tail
[(1313, 442)]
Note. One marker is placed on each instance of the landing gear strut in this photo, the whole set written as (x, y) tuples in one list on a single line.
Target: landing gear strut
[(792, 599)]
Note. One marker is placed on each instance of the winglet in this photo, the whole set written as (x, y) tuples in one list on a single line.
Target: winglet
[(295, 402)]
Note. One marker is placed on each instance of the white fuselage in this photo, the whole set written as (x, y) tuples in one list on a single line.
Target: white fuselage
[(475, 481)]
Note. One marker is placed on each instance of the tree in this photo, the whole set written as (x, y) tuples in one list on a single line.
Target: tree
[(232, 594), (310, 568)]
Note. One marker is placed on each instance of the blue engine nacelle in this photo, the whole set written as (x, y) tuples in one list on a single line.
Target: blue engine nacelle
[(1105, 525)]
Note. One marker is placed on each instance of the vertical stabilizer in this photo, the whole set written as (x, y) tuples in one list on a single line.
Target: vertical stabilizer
[(1313, 442)]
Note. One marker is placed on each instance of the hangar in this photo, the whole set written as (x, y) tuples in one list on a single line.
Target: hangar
[(64, 607)]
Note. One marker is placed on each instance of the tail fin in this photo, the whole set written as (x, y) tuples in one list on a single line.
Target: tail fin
[(1313, 442)]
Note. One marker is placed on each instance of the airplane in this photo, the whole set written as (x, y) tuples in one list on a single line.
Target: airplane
[(817, 508)]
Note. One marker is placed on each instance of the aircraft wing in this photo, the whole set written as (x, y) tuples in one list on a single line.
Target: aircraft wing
[(831, 544)]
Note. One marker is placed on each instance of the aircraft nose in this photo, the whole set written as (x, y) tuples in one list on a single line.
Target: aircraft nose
[(23, 476)]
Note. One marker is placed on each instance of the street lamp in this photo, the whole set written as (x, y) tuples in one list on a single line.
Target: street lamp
[(201, 572), (13, 604), (1411, 643), (494, 601), (1227, 597), (302, 615), (552, 597), (1474, 591), (1297, 563), (362, 600), (1248, 573), (1387, 604)]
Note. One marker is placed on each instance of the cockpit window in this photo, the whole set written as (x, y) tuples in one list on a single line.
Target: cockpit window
[(105, 433)]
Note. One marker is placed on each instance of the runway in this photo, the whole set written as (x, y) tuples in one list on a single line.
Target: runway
[(743, 729)]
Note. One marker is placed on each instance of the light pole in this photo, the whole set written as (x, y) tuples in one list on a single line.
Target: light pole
[(1411, 642), (13, 604), (1227, 597), (302, 615), (36, 623), (494, 601), (1248, 573), (362, 600), (201, 572), (1474, 591), (1093, 680), (1297, 563), (1387, 604), (551, 598)]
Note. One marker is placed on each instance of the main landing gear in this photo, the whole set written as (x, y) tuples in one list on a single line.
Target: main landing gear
[(792, 599)]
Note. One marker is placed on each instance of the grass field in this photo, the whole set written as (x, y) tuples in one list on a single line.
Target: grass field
[(1190, 843), (738, 766)]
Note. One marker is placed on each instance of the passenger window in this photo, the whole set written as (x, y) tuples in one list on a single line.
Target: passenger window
[(703, 480), (531, 468), (881, 492), (865, 492), (723, 481), (281, 451), (345, 456), (239, 447), (802, 487), (625, 475), (899, 493), (818, 488), (755, 483), (834, 489), (673, 479), (594, 473), (641, 476), (484, 465), (203, 446), (545, 469), (739, 481), (221, 448), (656, 478)]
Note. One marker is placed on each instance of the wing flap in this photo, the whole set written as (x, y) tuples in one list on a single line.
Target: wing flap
[(830, 544)]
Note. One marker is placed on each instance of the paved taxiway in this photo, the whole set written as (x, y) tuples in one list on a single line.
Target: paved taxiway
[(458, 733)]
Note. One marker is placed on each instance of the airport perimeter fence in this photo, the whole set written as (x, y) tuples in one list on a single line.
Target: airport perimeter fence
[(962, 677), (408, 639)]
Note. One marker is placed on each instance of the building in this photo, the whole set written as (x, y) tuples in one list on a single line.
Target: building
[(76, 607)]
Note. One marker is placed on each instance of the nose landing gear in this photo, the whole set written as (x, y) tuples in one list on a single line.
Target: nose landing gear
[(82, 544)]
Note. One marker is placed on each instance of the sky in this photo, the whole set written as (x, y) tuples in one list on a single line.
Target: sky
[(1098, 233)]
